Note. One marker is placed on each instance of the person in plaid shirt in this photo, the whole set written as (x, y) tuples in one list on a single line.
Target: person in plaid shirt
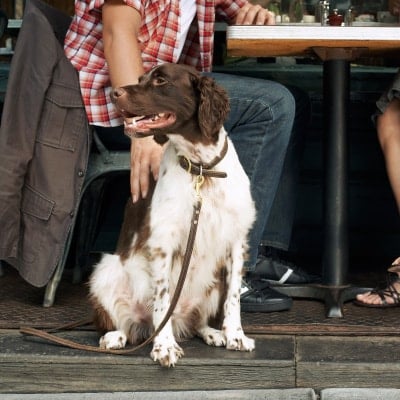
[(112, 42)]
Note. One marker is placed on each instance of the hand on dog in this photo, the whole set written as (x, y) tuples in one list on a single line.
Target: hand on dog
[(146, 157)]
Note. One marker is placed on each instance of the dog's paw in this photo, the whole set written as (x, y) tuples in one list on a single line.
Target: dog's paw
[(213, 337), (240, 343), (167, 354), (113, 340)]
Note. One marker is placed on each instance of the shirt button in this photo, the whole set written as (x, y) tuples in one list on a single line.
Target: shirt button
[(80, 173)]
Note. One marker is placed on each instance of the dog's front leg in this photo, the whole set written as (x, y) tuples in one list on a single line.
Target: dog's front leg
[(232, 325), (165, 349)]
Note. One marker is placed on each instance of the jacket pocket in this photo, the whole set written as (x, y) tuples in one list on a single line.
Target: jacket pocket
[(63, 117), (36, 213)]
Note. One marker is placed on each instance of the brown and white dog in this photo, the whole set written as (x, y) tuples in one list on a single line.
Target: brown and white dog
[(131, 290)]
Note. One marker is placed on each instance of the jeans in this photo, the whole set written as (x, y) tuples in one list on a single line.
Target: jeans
[(260, 126), (278, 230)]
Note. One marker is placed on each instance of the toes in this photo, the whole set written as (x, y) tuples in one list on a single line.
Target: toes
[(166, 354), (113, 340), (242, 343)]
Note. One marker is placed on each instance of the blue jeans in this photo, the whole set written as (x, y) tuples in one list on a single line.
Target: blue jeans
[(278, 230), (260, 126)]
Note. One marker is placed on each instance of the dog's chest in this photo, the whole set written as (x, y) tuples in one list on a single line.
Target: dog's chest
[(224, 202)]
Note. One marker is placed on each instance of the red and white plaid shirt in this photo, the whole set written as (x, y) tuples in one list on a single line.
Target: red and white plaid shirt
[(158, 38)]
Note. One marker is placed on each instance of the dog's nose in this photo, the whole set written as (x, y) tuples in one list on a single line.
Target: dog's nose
[(118, 92)]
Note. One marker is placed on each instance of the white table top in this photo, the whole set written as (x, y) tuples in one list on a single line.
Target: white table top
[(304, 39)]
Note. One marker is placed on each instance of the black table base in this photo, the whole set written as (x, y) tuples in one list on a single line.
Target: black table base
[(333, 297), (334, 291)]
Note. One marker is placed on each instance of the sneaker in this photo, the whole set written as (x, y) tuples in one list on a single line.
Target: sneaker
[(275, 269), (258, 296)]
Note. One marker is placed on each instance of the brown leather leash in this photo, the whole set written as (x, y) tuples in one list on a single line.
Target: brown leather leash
[(181, 280)]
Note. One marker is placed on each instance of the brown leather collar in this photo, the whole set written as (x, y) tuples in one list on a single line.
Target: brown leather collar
[(205, 169)]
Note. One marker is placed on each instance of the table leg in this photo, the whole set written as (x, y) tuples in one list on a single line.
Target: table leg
[(334, 291), (336, 95)]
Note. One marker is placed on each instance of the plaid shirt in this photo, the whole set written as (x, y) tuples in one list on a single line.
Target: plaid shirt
[(158, 38)]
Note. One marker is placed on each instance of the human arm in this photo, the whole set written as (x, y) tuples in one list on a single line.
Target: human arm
[(121, 24)]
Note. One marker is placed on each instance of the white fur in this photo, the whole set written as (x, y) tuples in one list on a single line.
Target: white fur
[(141, 288)]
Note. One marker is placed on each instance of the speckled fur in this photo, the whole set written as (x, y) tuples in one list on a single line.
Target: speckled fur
[(131, 290)]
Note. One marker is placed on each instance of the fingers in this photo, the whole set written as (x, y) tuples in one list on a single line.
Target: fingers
[(145, 159), (251, 14)]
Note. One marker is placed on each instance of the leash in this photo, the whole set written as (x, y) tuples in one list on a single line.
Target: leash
[(181, 280), (194, 169)]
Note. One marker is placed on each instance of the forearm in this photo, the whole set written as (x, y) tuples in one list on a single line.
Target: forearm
[(121, 48)]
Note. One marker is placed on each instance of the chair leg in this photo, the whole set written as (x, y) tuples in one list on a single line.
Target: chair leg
[(88, 222), (51, 288)]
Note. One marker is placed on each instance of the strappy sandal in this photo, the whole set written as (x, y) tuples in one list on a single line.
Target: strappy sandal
[(388, 292)]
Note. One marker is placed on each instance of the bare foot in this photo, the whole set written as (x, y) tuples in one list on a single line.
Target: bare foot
[(387, 296)]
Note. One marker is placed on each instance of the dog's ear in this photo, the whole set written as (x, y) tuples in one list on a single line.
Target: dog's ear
[(213, 106), (160, 139)]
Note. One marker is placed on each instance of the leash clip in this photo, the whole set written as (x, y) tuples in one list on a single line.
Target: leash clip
[(199, 181)]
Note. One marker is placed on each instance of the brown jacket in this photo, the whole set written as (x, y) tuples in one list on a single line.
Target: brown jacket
[(44, 147)]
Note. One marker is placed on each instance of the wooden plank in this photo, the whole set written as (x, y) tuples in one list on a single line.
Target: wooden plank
[(264, 41), (348, 375), (301, 47), (348, 362), (29, 365)]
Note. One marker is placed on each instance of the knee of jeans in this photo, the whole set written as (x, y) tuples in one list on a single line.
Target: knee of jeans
[(288, 104), (283, 109)]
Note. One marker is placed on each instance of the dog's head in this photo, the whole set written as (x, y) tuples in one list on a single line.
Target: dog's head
[(173, 99)]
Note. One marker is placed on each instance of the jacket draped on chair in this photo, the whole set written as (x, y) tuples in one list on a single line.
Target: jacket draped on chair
[(44, 147)]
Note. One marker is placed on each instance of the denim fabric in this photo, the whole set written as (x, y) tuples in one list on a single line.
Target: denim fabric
[(278, 230), (260, 125), (393, 91)]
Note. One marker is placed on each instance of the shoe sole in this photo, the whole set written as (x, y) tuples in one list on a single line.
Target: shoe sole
[(265, 308)]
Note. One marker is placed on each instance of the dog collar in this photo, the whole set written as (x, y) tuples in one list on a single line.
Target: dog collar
[(205, 169)]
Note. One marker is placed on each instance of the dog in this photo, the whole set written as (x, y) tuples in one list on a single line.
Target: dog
[(131, 289)]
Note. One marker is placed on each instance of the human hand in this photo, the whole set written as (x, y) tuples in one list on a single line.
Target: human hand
[(145, 160), (254, 14)]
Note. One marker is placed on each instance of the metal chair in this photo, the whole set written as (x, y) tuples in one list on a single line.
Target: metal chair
[(102, 166)]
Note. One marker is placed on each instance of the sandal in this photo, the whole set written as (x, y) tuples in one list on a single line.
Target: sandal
[(393, 276)]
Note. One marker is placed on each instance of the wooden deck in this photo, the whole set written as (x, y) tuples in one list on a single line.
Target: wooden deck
[(300, 348), (27, 365)]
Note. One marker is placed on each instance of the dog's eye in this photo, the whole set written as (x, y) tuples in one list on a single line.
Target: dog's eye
[(159, 81)]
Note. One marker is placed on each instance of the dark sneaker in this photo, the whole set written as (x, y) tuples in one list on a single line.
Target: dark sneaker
[(258, 296), (278, 271)]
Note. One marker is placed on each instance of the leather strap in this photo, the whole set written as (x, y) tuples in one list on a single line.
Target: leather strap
[(200, 170), (181, 280), (205, 169)]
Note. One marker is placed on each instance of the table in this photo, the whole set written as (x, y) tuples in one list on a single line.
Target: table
[(336, 47)]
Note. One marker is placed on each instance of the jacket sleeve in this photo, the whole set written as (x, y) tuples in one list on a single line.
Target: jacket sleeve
[(27, 84)]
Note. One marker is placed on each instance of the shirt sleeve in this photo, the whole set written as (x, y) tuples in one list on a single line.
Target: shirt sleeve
[(97, 4)]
